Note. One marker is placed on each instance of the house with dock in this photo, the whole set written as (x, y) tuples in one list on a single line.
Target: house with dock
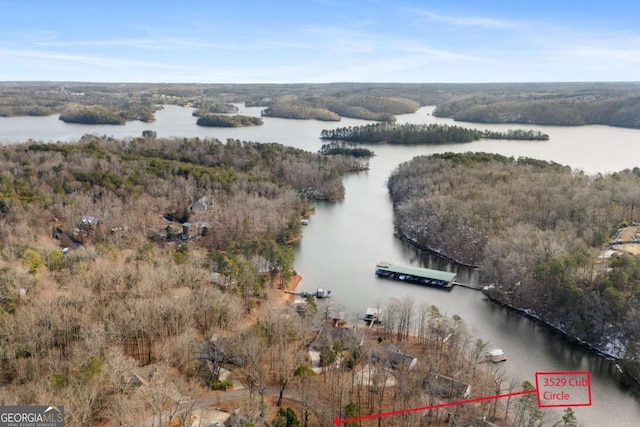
[(421, 276)]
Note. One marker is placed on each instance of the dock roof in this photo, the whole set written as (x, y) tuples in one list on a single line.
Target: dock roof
[(417, 271)]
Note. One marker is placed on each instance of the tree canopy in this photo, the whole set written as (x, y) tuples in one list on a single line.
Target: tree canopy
[(407, 133), (536, 230), (219, 120)]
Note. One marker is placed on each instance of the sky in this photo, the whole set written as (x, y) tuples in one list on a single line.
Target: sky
[(319, 41)]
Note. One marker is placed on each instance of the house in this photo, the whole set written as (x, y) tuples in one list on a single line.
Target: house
[(300, 304), (209, 350), (202, 204), (194, 229), (445, 387), (87, 226), (89, 221), (395, 358), (324, 345)]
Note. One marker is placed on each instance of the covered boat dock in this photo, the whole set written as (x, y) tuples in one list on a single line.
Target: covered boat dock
[(420, 276)]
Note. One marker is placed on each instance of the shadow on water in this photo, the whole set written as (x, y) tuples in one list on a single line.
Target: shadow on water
[(426, 259)]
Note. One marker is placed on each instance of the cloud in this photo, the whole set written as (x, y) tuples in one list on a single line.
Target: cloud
[(135, 43), (149, 43), (466, 21), (101, 61), (334, 40)]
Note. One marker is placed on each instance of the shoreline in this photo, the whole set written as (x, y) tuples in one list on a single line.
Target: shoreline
[(624, 377), (432, 251), (285, 295)]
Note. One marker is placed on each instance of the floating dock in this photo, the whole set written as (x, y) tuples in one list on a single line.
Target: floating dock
[(421, 276), (373, 315), (320, 293)]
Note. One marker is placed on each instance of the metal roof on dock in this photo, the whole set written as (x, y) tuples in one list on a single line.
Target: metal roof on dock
[(417, 271)]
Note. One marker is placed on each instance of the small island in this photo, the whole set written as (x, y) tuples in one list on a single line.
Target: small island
[(516, 134), (407, 133), (93, 115), (106, 115), (345, 149), (214, 107), (219, 120)]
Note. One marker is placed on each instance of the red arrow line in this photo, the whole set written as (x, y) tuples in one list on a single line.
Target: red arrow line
[(338, 421)]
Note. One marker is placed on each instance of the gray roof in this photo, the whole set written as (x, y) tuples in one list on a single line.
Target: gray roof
[(398, 359), (89, 220), (445, 386), (417, 271)]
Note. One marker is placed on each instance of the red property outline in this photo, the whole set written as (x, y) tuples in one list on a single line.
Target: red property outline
[(338, 421), (568, 373)]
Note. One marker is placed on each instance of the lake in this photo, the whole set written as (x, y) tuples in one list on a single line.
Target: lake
[(344, 241)]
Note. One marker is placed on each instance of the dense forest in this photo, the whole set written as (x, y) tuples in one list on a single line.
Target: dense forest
[(136, 276), (537, 230), (366, 107), (569, 109), (97, 271), (103, 115), (613, 104), (220, 120), (213, 106), (298, 111), (345, 148), (407, 133)]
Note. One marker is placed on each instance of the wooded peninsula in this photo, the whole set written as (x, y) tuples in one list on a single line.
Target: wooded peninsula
[(537, 231)]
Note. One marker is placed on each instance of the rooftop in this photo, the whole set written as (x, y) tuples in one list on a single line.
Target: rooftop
[(417, 271)]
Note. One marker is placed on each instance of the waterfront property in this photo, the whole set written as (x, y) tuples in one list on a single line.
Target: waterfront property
[(420, 276)]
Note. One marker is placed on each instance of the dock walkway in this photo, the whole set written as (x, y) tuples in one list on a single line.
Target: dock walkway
[(468, 285)]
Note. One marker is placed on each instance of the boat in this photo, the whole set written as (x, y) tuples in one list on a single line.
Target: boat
[(321, 293), (496, 355), (373, 315), (305, 222)]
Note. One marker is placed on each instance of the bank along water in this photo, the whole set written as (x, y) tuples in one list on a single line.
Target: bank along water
[(344, 241)]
